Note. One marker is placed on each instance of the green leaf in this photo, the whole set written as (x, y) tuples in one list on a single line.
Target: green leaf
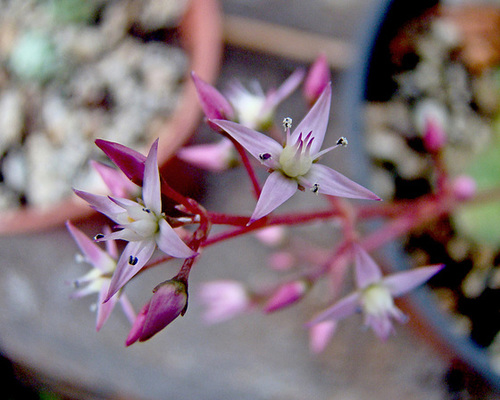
[(481, 222)]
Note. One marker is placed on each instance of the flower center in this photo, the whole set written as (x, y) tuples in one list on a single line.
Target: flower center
[(377, 300), (143, 221), (295, 159)]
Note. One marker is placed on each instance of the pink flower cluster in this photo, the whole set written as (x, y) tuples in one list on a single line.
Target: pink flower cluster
[(291, 156)]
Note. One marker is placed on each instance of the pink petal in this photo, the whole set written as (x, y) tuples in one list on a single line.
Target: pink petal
[(367, 270), (136, 330), (104, 309), (381, 325), (285, 89), (276, 190), (127, 308), (254, 142), (131, 162), (124, 269), (214, 157), (345, 307), (213, 103), (102, 204), (333, 183), (96, 256), (115, 180), (316, 121), (151, 192), (171, 244), (403, 282)]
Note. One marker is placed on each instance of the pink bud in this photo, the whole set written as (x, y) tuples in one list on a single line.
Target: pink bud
[(434, 135), (464, 187), (272, 235), (281, 260), (286, 295), (320, 334), (168, 302), (317, 79)]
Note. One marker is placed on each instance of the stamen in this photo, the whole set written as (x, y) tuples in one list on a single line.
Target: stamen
[(264, 156), (98, 236), (342, 141), (315, 188), (287, 123), (133, 260), (76, 284), (146, 210)]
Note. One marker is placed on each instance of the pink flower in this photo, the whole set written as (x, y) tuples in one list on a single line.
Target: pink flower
[(295, 165), (224, 299), (252, 108), (375, 293), (97, 280), (142, 224), (169, 300)]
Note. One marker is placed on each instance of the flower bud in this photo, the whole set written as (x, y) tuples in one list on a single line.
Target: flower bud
[(168, 302), (320, 334), (286, 295), (434, 135), (464, 187), (317, 79)]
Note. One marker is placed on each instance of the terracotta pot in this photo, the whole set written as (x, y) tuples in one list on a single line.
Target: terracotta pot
[(201, 37), (370, 79)]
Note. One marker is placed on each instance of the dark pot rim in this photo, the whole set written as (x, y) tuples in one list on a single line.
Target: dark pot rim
[(432, 323)]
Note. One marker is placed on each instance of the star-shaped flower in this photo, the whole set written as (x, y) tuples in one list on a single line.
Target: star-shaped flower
[(141, 223), (375, 293), (97, 280), (294, 165), (253, 108)]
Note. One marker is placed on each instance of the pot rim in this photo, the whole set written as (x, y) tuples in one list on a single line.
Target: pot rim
[(201, 36)]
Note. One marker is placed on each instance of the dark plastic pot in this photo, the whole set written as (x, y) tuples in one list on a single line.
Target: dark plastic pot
[(369, 79)]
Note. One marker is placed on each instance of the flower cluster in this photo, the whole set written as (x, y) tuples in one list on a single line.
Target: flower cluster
[(245, 121)]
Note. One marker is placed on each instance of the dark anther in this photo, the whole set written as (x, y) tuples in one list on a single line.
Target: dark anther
[(98, 236), (315, 188), (147, 210), (342, 141), (264, 156), (133, 260)]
